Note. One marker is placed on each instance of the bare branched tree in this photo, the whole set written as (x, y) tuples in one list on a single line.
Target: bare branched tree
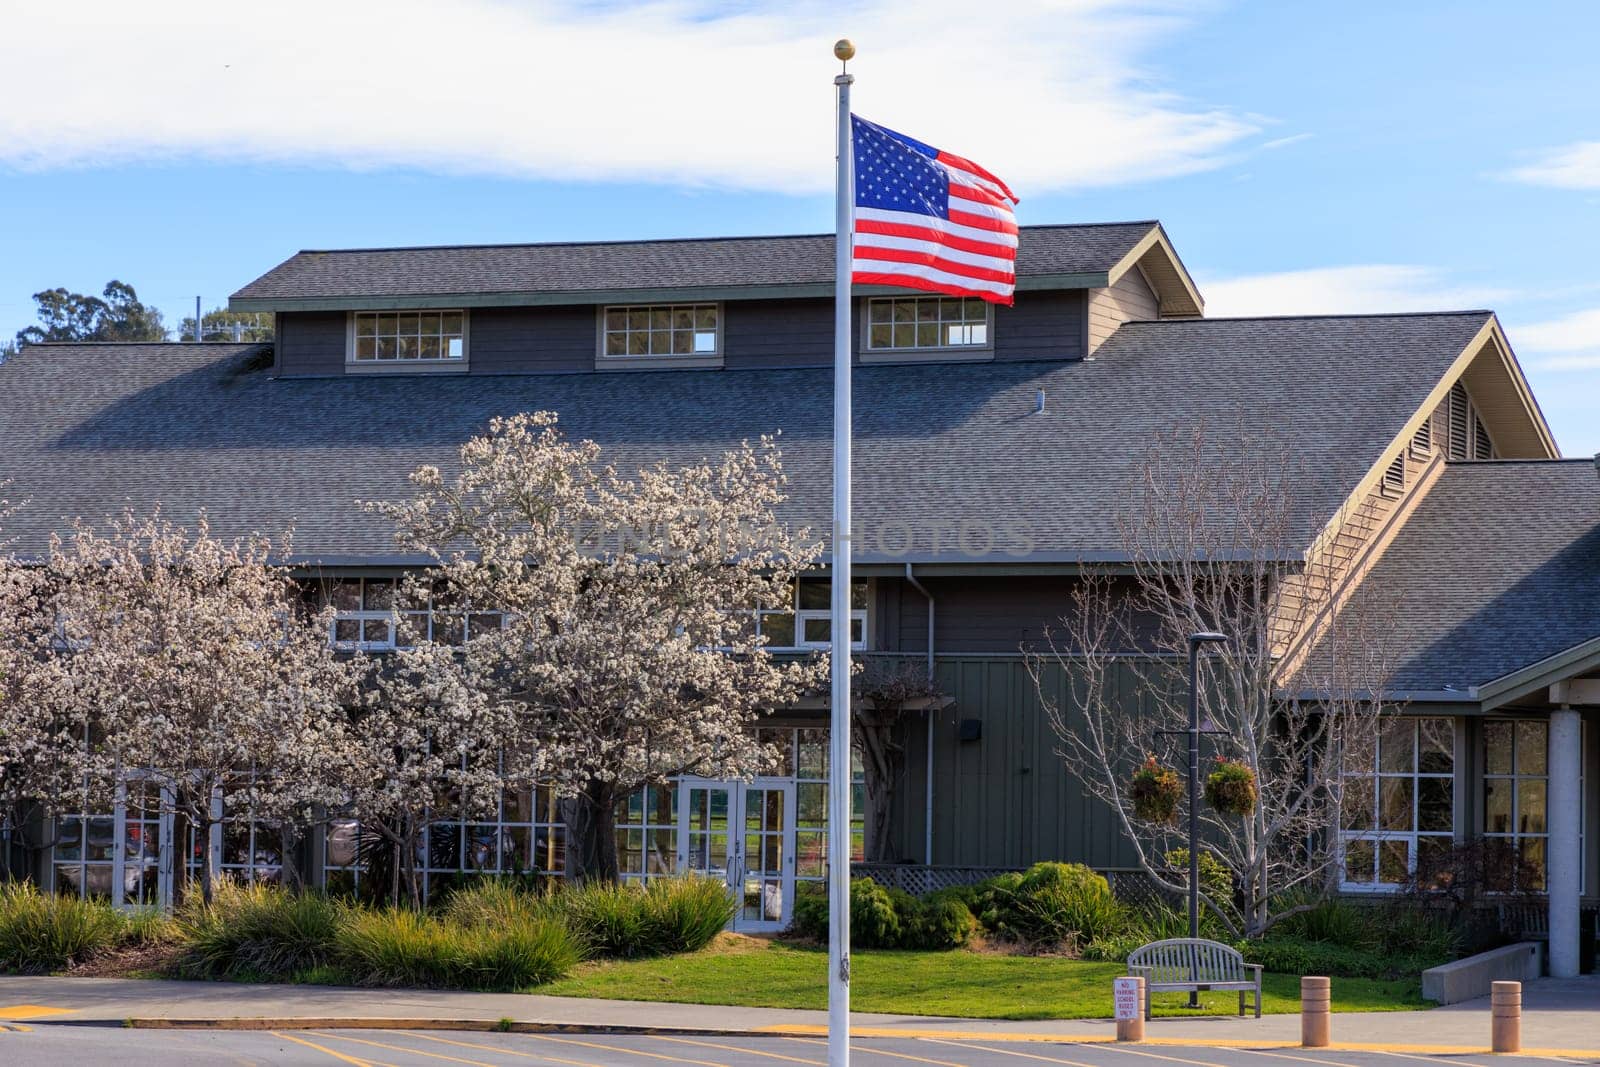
[(1217, 542)]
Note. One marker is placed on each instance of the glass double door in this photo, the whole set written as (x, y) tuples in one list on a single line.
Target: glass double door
[(742, 833)]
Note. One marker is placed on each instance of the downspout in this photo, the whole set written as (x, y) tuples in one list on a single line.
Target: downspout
[(927, 817)]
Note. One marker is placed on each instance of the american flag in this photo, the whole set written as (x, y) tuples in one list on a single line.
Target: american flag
[(926, 219)]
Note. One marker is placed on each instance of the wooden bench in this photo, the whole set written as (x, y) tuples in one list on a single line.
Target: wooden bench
[(1526, 922), (1185, 964)]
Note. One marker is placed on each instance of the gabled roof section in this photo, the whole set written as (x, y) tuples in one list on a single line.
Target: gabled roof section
[(721, 268), (1175, 289), (942, 448), (1496, 571)]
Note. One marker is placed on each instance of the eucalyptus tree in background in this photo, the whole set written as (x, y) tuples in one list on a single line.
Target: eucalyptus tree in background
[(198, 671), (1216, 542), (117, 314), (627, 648)]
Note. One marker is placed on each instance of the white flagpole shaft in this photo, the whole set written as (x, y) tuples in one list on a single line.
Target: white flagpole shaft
[(839, 723)]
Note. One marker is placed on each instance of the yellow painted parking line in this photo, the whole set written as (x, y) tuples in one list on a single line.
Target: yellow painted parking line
[(31, 1011), (402, 1048), (506, 1051), (630, 1051), (880, 1052), (15, 1028), (1011, 1052), (736, 1048), (341, 1057)]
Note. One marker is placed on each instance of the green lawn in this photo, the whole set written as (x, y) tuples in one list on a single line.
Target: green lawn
[(766, 974)]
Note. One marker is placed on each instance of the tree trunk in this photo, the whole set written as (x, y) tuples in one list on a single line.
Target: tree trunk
[(591, 819), (883, 768)]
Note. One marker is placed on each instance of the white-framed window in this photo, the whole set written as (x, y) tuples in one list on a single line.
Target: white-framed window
[(808, 622), (661, 331), (372, 615), (922, 323), (115, 857), (803, 752), (1516, 782), (397, 339), (248, 850), (1398, 802)]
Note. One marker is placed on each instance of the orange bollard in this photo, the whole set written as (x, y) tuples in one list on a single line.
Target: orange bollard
[(1316, 997), (1505, 1006), (1127, 996)]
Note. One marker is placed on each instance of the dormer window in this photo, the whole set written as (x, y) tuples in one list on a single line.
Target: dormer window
[(661, 335), (927, 324), (407, 340)]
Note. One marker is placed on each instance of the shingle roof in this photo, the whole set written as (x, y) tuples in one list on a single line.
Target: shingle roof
[(635, 265), (1496, 569), (87, 428)]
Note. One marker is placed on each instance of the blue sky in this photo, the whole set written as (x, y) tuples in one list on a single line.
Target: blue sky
[(1369, 156)]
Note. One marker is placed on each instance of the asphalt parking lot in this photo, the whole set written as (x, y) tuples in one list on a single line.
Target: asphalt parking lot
[(76, 1046)]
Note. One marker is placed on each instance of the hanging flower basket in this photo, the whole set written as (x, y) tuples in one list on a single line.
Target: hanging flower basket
[(1156, 792), (1231, 788)]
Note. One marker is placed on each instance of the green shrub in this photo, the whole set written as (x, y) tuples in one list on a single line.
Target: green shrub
[(683, 914), (395, 947), (965, 895), (810, 918), (1293, 956), (259, 932), (42, 932), (874, 919), (1051, 903), (1216, 881), (939, 924), (523, 952), (492, 902)]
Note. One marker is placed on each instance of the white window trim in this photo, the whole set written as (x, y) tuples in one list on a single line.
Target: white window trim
[(922, 353), (657, 361), (802, 614), (1414, 835), (408, 366), (395, 617)]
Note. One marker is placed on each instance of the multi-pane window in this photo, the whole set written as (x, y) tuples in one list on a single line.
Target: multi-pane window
[(1515, 784), (1399, 801), (374, 614), (809, 622), (84, 851), (647, 833), (660, 330), (85, 856), (399, 337), (805, 755), (899, 323), (251, 850)]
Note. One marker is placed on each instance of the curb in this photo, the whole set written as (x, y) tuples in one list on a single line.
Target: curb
[(794, 1030)]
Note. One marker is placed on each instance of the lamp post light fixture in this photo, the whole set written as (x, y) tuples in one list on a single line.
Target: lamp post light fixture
[(1207, 637)]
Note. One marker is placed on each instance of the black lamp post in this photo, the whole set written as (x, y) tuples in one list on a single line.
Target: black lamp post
[(1194, 731)]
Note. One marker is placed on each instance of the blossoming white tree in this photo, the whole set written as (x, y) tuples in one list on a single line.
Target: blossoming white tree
[(197, 671), (428, 743), (627, 647)]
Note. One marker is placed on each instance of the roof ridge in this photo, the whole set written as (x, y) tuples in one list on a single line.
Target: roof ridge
[(130, 344), (677, 240), (1512, 461), (1333, 315)]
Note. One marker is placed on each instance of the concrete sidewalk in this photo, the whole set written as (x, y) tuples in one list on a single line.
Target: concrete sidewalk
[(1558, 1015)]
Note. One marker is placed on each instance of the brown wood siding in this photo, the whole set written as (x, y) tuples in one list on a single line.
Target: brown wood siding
[(985, 614), (310, 343), (1130, 299), (755, 334)]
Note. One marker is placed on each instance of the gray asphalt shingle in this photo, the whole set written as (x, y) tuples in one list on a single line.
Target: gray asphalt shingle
[(1496, 569), (86, 429), (710, 262)]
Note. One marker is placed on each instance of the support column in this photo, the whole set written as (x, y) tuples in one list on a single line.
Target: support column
[(1563, 852)]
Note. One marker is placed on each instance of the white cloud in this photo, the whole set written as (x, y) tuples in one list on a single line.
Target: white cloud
[(1573, 166), (1568, 343), (1354, 289), (1048, 93)]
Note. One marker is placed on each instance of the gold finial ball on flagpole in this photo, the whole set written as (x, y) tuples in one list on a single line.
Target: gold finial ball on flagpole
[(844, 49)]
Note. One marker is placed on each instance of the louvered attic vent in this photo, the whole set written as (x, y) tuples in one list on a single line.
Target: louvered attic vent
[(1394, 475), (1460, 418), (1422, 440)]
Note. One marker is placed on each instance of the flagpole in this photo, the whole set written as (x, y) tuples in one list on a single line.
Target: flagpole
[(840, 631)]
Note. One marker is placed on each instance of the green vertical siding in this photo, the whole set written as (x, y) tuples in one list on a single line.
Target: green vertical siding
[(1005, 800)]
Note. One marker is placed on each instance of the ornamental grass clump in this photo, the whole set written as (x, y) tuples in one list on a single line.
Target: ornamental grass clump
[(260, 932), (684, 914), (1051, 904), (1156, 792), (396, 947), (43, 932), (493, 902), (1231, 788)]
